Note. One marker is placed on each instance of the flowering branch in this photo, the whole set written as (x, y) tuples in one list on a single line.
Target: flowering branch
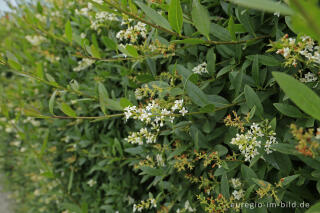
[(134, 16)]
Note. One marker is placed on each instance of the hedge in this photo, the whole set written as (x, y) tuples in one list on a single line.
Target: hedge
[(161, 106)]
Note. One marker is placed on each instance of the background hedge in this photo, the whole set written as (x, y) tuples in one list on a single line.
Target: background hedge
[(160, 106)]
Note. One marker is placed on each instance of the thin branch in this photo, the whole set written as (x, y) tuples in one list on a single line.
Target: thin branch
[(122, 114), (134, 16)]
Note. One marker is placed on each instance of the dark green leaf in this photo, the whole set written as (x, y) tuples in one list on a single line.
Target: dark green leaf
[(300, 94)]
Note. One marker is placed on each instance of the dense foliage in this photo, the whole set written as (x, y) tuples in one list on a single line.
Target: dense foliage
[(161, 106)]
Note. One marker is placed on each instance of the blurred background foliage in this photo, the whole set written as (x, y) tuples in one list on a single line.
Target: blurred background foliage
[(68, 76)]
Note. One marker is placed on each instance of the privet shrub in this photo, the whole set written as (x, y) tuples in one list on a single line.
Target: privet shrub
[(161, 106)]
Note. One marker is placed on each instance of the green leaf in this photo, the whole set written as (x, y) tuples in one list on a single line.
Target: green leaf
[(114, 105), (245, 19), (314, 209), (154, 16), (225, 186), (225, 70), (103, 97), (307, 100), (129, 50), (13, 61), (265, 5), (265, 60), (39, 70), (118, 146), (288, 110), (67, 110), (211, 61), (152, 171), (255, 70), (51, 102), (95, 51), (260, 182), (289, 179), (231, 28), (132, 51), (285, 148), (124, 102), (68, 31), (220, 32), (200, 18), (72, 207), (175, 16), (248, 174), (208, 108), (196, 94), (70, 180), (310, 11), (222, 150), (252, 98), (109, 43)]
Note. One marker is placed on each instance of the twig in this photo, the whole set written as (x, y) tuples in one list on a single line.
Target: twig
[(134, 16)]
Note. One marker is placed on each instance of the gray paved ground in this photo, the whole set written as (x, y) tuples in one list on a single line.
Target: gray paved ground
[(4, 202)]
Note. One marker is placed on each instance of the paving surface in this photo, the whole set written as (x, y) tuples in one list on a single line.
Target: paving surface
[(4, 202)]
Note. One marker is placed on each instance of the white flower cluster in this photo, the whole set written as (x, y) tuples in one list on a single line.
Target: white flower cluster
[(150, 203), (137, 137), (309, 77), (160, 160), (132, 34), (311, 51), (276, 14), (187, 208), (83, 64), (154, 116), (101, 18), (36, 39), (236, 183), (304, 46), (200, 69), (98, 1), (32, 121), (91, 182), (41, 17), (238, 194), (138, 93), (249, 142), (85, 10)]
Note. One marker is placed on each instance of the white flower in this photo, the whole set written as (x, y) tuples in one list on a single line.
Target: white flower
[(249, 142), (286, 52), (92, 182), (101, 18), (200, 69), (98, 1), (36, 39), (160, 160), (292, 41), (132, 33), (238, 194), (236, 183), (276, 14), (309, 77), (152, 115), (83, 64), (183, 111), (153, 202), (188, 207), (41, 17)]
